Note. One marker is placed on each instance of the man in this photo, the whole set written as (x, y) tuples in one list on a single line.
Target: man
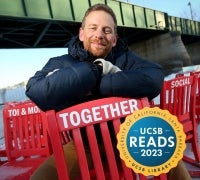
[(99, 64)]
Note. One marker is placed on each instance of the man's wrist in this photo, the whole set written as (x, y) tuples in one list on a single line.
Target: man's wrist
[(99, 66)]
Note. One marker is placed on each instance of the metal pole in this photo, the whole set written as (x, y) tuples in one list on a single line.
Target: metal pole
[(189, 4)]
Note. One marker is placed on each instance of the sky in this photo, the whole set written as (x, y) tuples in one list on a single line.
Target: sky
[(177, 8), (18, 65)]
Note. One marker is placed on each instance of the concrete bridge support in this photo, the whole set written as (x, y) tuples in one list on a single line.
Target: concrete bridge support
[(168, 50), (194, 52)]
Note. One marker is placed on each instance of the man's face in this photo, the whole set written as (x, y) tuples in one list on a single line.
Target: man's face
[(98, 35)]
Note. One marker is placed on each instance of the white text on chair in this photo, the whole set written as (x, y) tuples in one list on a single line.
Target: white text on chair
[(98, 113)]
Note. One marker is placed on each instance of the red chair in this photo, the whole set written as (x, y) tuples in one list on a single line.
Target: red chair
[(26, 141), (198, 96), (178, 96), (105, 114), (3, 156)]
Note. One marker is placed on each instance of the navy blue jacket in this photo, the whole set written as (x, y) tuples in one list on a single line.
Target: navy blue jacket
[(77, 77)]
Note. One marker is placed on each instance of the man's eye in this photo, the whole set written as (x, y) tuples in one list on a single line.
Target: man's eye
[(93, 28), (107, 31)]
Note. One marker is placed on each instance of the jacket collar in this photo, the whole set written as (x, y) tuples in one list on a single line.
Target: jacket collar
[(77, 51)]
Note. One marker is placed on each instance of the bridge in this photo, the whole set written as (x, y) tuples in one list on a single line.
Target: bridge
[(51, 23)]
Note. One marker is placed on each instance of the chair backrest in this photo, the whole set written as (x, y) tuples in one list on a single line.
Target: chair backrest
[(25, 131), (198, 98), (197, 73), (105, 114), (178, 96), (197, 90)]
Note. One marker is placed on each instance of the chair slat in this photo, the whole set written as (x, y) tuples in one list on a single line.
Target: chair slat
[(81, 154), (128, 173), (109, 151), (98, 166)]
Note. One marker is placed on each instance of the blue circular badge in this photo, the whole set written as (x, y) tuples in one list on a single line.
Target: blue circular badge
[(151, 141)]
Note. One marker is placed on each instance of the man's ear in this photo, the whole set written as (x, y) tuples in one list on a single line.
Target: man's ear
[(115, 41), (81, 35)]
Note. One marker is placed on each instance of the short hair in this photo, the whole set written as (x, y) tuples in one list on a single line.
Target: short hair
[(100, 7)]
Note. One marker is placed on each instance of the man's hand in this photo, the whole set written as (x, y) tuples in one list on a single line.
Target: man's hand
[(108, 67)]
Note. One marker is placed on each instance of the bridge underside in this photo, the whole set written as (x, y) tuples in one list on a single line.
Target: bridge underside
[(27, 33)]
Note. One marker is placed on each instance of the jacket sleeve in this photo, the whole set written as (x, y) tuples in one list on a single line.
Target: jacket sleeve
[(61, 82), (138, 78)]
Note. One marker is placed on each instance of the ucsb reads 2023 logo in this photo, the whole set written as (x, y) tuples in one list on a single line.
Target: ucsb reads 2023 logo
[(151, 141)]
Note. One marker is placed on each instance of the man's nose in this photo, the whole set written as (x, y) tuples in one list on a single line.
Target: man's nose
[(99, 33)]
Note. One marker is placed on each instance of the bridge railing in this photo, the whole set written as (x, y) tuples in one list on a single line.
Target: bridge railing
[(128, 15)]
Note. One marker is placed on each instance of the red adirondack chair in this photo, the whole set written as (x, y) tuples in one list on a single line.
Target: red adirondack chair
[(197, 96), (90, 115), (178, 96), (27, 146)]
